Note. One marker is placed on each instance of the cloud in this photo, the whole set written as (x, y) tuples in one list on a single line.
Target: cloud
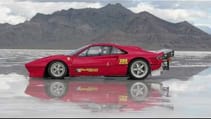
[(171, 14), (14, 12), (7, 17), (202, 24)]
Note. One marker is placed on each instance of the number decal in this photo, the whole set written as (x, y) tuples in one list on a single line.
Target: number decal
[(88, 89), (123, 98), (123, 61)]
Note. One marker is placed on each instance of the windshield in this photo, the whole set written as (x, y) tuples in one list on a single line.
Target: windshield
[(72, 52)]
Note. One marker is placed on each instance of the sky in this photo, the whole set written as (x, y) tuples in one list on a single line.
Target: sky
[(197, 12)]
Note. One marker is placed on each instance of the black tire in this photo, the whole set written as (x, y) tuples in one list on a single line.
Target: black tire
[(145, 68), (62, 70)]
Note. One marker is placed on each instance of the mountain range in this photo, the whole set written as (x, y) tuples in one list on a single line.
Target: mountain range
[(72, 28)]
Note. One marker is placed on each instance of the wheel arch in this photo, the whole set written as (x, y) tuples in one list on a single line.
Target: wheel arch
[(46, 75)]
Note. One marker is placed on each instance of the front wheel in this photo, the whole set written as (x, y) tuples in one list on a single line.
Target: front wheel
[(139, 69), (57, 69)]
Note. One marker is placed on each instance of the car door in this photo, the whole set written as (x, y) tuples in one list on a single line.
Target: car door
[(93, 61), (118, 64)]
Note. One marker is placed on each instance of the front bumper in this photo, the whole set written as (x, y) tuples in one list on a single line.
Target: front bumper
[(35, 71)]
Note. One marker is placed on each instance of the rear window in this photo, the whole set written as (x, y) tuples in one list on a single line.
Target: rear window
[(117, 51)]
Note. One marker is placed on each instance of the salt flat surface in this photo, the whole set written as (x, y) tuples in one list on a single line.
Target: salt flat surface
[(188, 98)]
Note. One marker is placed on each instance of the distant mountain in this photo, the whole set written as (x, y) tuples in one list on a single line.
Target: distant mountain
[(72, 28), (205, 28)]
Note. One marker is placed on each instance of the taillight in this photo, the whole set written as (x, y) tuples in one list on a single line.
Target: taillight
[(169, 59), (160, 57)]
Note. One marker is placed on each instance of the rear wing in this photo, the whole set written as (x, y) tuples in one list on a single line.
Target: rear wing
[(166, 57)]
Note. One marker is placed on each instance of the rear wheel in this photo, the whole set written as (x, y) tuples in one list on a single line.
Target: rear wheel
[(57, 69), (139, 69)]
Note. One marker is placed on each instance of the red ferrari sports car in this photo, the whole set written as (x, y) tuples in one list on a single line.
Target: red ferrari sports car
[(102, 59)]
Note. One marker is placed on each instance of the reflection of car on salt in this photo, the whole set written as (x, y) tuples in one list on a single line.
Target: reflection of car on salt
[(103, 59), (101, 95)]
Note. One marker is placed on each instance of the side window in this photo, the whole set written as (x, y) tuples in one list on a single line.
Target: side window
[(101, 50), (116, 51), (83, 53), (106, 50), (92, 51)]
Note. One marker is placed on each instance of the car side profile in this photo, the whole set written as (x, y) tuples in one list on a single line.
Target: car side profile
[(102, 59)]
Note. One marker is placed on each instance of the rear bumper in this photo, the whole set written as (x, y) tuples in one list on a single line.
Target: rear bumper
[(167, 55), (164, 66), (157, 72)]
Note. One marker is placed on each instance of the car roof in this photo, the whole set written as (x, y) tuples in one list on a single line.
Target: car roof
[(106, 44)]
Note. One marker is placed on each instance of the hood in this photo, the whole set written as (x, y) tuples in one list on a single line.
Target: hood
[(44, 60)]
